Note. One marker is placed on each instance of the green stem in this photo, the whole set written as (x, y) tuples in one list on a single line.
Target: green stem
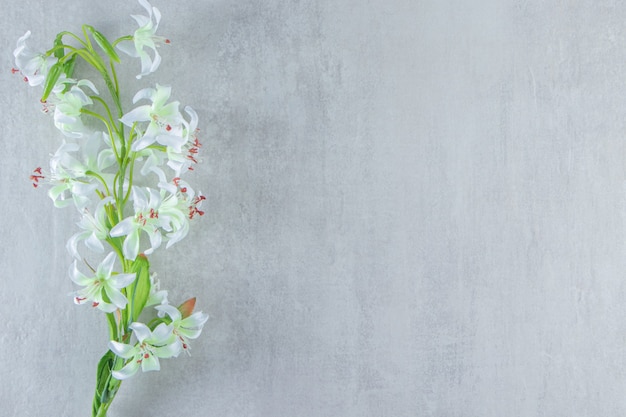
[(117, 84), (108, 110), (130, 176), (112, 387), (84, 54), (102, 411), (123, 38), (73, 36), (99, 178), (89, 45), (108, 126)]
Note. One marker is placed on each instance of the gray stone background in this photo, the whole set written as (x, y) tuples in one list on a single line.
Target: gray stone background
[(415, 208)]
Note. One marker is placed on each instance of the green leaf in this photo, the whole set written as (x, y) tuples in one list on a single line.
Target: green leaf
[(103, 376), (53, 76), (104, 43), (139, 292)]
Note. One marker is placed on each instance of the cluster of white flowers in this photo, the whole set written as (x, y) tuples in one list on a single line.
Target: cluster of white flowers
[(105, 153)]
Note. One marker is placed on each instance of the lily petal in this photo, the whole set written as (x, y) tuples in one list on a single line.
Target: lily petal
[(116, 297), (122, 280), (127, 371), (122, 350), (142, 332), (168, 351), (150, 363), (123, 228), (138, 114), (131, 246)]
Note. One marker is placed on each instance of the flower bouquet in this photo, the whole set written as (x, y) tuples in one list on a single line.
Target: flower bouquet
[(123, 171)]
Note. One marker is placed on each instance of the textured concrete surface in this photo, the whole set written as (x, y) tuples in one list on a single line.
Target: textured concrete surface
[(416, 209)]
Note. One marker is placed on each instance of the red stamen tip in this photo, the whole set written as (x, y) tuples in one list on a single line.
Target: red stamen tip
[(36, 176)]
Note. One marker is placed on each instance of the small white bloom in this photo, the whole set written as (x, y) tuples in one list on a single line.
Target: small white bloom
[(178, 160), (145, 37), (176, 207), (156, 213), (151, 345), (147, 218), (94, 230), (184, 328), (103, 284), (166, 125), (33, 65), (67, 110), (69, 179), (71, 172), (183, 159)]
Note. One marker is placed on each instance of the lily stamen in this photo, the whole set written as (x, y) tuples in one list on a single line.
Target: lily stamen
[(36, 177)]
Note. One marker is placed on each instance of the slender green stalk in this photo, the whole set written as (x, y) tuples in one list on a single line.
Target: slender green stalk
[(89, 45), (117, 84), (64, 33), (102, 119), (108, 110), (99, 178), (122, 39), (130, 176)]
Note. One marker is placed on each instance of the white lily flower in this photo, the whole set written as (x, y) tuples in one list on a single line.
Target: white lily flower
[(166, 125), (181, 205), (67, 110), (184, 328), (95, 230), (155, 212), (178, 206), (33, 65), (69, 179), (182, 160), (179, 159), (69, 175), (144, 37), (147, 218), (151, 345), (103, 284)]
